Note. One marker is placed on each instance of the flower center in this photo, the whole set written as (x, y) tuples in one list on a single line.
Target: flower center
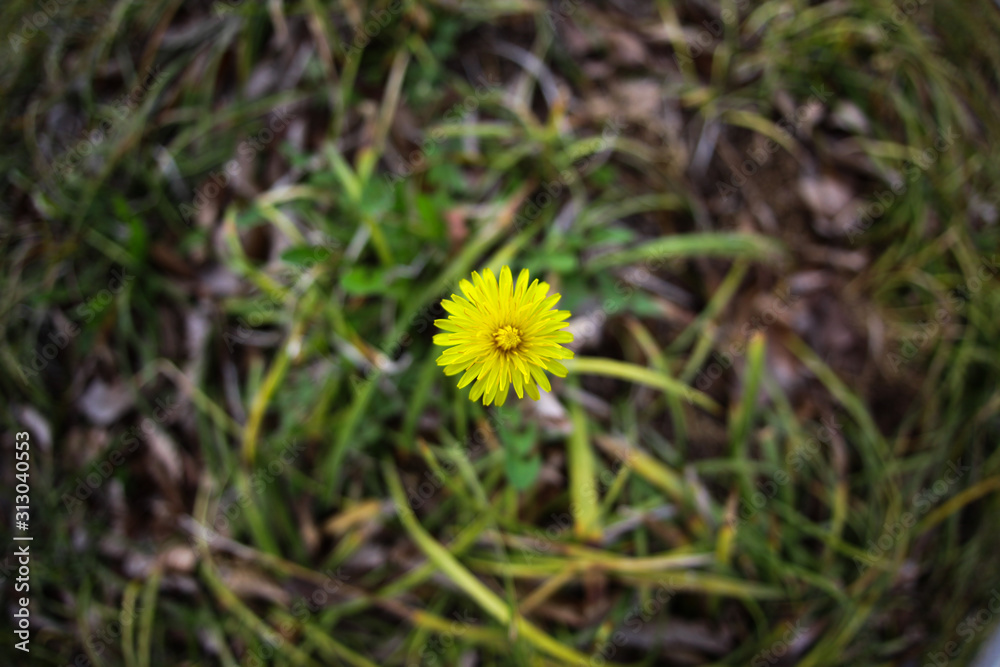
[(507, 338)]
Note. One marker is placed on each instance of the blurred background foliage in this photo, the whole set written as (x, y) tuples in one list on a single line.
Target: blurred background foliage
[(225, 229)]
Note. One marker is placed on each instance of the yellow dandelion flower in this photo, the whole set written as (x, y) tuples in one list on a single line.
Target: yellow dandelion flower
[(502, 334)]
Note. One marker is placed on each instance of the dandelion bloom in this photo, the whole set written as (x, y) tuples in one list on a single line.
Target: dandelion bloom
[(501, 335)]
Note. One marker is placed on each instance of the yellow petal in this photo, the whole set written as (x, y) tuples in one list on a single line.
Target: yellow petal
[(469, 376), (454, 369), (470, 291), (539, 376), (447, 325), (532, 390), (506, 282), (477, 389), (556, 368), (522, 285), (491, 394)]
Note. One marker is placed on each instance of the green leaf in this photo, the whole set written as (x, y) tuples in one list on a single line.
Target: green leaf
[(377, 198), (715, 244), (138, 238), (603, 176), (446, 176), (612, 235), (522, 472), (430, 216), (561, 262), (249, 217), (364, 281), (643, 305), (302, 255)]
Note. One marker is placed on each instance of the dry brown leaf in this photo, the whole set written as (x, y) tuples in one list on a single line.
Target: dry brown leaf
[(247, 583), (626, 48), (104, 403), (825, 196)]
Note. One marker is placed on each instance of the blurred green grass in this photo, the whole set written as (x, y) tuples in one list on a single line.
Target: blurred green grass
[(360, 510)]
